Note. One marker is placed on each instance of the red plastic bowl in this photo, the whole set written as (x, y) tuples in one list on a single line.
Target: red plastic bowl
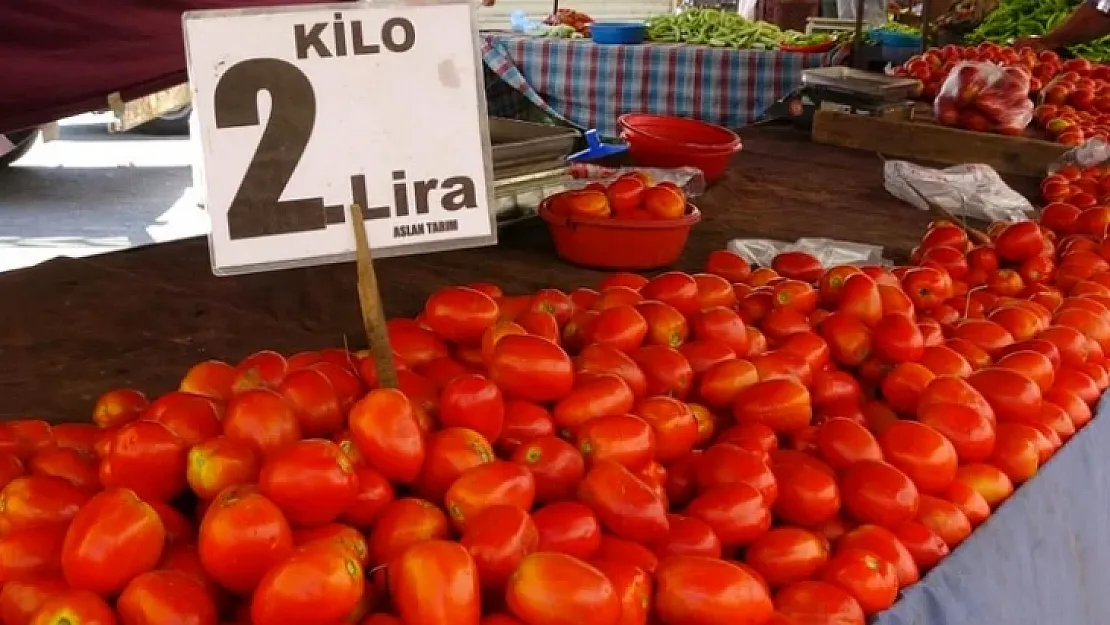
[(663, 141), (619, 245)]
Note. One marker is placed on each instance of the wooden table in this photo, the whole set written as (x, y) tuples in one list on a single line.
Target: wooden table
[(74, 328)]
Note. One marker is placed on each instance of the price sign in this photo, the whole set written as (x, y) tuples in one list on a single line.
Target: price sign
[(303, 111)]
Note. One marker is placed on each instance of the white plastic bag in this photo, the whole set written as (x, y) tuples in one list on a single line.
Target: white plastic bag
[(874, 11), (973, 191), (829, 251), (1093, 153)]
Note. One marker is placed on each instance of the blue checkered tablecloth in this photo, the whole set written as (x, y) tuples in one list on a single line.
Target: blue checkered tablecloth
[(590, 85)]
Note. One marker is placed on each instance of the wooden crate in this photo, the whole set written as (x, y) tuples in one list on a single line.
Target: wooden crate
[(924, 140)]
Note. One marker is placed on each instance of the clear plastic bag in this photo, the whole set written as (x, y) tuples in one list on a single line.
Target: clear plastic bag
[(974, 191), (1093, 153), (829, 251), (874, 11), (985, 97), (690, 179)]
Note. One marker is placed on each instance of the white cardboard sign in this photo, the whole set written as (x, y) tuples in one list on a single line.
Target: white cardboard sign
[(303, 111)]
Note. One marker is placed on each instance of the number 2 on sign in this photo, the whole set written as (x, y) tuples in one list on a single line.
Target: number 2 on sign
[(257, 209)]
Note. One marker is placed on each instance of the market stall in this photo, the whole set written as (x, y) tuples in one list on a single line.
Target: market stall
[(856, 389), (590, 85)]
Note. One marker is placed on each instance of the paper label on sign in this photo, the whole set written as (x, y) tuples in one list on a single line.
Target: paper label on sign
[(303, 111)]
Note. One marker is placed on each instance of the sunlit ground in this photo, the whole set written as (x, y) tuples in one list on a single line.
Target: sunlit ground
[(91, 192)]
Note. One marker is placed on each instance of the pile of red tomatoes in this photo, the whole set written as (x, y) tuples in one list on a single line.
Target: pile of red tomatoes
[(779, 445)]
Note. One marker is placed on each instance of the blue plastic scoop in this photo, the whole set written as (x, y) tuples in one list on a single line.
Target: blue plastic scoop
[(596, 149)]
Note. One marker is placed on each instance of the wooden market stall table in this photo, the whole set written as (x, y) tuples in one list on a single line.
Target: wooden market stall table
[(591, 85), (72, 329)]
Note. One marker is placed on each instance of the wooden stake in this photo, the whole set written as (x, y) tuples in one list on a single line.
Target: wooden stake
[(370, 303)]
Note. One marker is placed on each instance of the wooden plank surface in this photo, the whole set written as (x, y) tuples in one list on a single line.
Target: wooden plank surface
[(1023, 156)]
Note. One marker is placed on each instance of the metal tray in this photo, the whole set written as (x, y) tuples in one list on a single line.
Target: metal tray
[(858, 82), (516, 143)]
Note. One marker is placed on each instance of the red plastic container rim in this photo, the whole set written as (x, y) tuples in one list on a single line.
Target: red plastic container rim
[(692, 216), (630, 123)]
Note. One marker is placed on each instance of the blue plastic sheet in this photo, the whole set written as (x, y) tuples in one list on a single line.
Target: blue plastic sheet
[(1042, 558)]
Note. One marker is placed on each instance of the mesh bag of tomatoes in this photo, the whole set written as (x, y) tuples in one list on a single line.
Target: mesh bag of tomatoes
[(631, 197), (985, 98), (934, 66)]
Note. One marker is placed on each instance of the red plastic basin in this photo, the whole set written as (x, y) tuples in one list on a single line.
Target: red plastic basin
[(664, 141), (613, 244)]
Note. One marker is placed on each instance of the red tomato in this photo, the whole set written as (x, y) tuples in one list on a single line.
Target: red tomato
[(883, 543), (620, 327), (531, 368), (666, 326), (843, 442), (625, 439), (725, 464), (808, 494), (112, 539), (724, 325), (903, 385), (450, 452), (74, 606), (701, 355), (624, 504), (666, 370), (984, 334), (556, 589), (849, 340), (674, 424), (413, 343), (945, 518), (166, 597), (798, 266), (556, 465), (819, 602), (872, 580), (119, 406), (1015, 451), (242, 535), (317, 583), (19, 600), (787, 555), (723, 382), (1012, 395), (311, 481), (970, 433), (315, 401), (728, 265), (922, 453), (617, 296), (927, 287), (688, 536), (539, 323), (943, 360), (989, 481), (601, 395), (570, 528), (498, 540), (73, 466), (335, 534), (601, 359), (633, 586), (193, 418), (692, 590), (385, 428), (969, 501), (953, 390), (923, 544), (263, 418), (486, 485), (148, 459), (472, 401), (876, 492), (523, 422), (897, 338), (404, 523), (29, 554), (782, 404), (38, 501), (263, 369), (211, 378), (460, 314), (676, 289), (737, 513), (219, 463)]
